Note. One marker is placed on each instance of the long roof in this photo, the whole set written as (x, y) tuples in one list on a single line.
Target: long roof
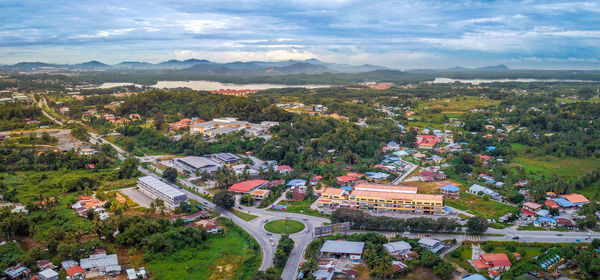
[(397, 246), (575, 198), (161, 186), (333, 191), (246, 186), (199, 162), (385, 188), (450, 188), (342, 247), (398, 196)]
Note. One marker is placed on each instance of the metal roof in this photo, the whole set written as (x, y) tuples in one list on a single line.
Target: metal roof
[(199, 162), (397, 246), (48, 273), (342, 247), (101, 261), (161, 186)]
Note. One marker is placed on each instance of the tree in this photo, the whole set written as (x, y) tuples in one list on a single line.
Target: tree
[(444, 270), (224, 199), (170, 174), (247, 199), (128, 168), (129, 144), (477, 225), (289, 195), (159, 121)]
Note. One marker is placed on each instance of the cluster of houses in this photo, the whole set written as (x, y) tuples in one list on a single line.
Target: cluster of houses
[(118, 120), (228, 125), (86, 203), (234, 92), (567, 206), (184, 123), (98, 264)]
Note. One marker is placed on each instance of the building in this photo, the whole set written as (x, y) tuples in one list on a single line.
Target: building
[(494, 262), (75, 273), (230, 125), (450, 191), (225, 158), (102, 262), (45, 264), (247, 186), (384, 197), (575, 198), (385, 188), (198, 164), (427, 141), (68, 264), (17, 271), (211, 226), (158, 189), (333, 197), (532, 206), (88, 151), (481, 190), (431, 244), (284, 169), (398, 249), (48, 274), (475, 277), (259, 194), (342, 249)]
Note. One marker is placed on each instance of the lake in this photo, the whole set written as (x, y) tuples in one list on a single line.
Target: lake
[(209, 85), (484, 81)]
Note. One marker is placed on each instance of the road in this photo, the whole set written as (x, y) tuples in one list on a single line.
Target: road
[(399, 180)]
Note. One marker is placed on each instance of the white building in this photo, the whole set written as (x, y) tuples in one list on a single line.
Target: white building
[(156, 188)]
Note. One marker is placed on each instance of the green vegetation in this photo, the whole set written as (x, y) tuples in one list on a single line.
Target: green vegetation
[(234, 255), (285, 226), (243, 215), (476, 205), (538, 163)]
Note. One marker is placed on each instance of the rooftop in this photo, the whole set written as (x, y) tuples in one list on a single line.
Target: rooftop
[(342, 247), (397, 246), (198, 162), (246, 186), (575, 198), (333, 191), (398, 196), (450, 188), (385, 188), (161, 186)]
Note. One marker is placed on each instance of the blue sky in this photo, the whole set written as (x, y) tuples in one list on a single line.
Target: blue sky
[(397, 34)]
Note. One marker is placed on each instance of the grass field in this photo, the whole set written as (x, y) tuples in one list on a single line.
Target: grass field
[(232, 256), (284, 226), (431, 187), (478, 206), (549, 164), (245, 216), (450, 107), (302, 207)]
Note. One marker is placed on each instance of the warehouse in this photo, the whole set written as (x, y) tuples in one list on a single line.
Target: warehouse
[(200, 164), (158, 189)]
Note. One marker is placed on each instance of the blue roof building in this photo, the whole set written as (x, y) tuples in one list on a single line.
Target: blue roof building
[(475, 277), (296, 182), (562, 202), (450, 188), (490, 148)]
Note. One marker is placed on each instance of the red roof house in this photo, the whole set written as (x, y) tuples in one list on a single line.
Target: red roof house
[(246, 186)]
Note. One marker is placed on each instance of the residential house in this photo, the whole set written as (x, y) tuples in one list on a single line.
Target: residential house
[(17, 271), (259, 194), (399, 249), (431, 244), (450, 191), (481, 190), (284, 169), (75, 273), (497, 262), (48, 274), (211, 226), (427, 141), (247, 186), (342, 249)]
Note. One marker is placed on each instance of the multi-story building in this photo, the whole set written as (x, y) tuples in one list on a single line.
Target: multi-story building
[(384, 197), (230, 125), (156, 188)]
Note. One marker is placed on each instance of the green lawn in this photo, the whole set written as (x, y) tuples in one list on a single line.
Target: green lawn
[(567, 167), (478, 206), (243, 215), (236, 255), (302, 207), (284, 226)]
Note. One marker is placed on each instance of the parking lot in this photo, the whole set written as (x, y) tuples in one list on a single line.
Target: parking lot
[(139, 197)]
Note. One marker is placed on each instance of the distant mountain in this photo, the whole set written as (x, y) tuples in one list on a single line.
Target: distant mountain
[(94, 64), (497, 68), (250, 69), (134, 65), (309, 66)]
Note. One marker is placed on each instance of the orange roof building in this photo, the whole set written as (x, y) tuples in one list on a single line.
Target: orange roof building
[(246, 186), (575, 198)]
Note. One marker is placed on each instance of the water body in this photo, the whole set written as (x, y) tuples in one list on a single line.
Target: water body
[(484, 81), (209, 85)]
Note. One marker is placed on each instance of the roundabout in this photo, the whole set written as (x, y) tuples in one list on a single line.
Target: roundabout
[(284, 226)]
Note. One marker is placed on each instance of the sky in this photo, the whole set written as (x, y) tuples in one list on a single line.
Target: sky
[(397, 34)]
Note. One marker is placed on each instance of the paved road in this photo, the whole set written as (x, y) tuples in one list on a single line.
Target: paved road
[(399, 180)]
